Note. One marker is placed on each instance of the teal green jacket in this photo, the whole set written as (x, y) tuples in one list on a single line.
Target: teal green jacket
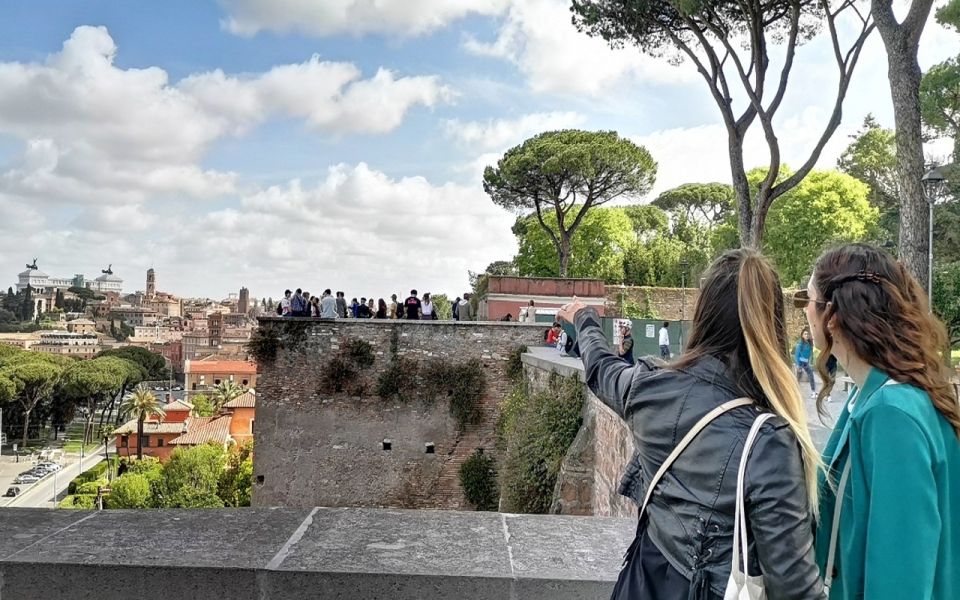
[(899, 535)]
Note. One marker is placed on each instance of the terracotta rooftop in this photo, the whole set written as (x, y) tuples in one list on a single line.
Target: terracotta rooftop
[(221, 366), (247, 400), (151, 427), (177, 406), (216, 430)]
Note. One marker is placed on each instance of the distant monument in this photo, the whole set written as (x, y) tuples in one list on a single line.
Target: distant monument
[(107, 271), (33, 265)]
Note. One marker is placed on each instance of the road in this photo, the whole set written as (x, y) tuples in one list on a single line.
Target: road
[(41, 494)]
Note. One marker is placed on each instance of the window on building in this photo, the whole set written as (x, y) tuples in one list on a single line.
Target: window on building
[(159, 442), (145, 441), (124, 441), (216, 382), (245, 382)]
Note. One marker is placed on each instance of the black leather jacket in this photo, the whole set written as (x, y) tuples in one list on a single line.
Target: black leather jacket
[(691, 511)]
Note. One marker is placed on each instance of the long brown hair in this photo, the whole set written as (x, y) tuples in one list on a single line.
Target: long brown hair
[(739, 319), (882, 313)]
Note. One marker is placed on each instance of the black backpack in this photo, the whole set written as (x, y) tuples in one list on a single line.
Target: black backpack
[(279, 308)]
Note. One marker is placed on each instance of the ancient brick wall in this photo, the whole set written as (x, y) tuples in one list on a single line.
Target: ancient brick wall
[(672, 304), (325, 449)]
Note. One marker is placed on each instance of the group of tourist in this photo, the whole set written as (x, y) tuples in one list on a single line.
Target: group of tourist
[(301, 303), (735, 499)]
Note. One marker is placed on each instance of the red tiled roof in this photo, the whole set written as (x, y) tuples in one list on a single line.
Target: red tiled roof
[(216, 430), (221, 366), (247, 400), (177, 406)]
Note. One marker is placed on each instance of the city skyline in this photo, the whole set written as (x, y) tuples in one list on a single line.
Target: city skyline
[(272, 145)]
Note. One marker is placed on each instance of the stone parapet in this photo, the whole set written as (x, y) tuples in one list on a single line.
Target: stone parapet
[(309, 553)]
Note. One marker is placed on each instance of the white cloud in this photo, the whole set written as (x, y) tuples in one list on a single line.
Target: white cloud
[(93, 132), (539, 38), (330, 17), (357, 229), (497, 134)]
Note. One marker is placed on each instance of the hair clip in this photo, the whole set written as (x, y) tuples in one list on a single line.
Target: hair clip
[(868, 276)]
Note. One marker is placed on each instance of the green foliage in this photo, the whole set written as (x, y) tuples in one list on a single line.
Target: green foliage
[(131, 490), (96, 473), (515, 363), (398, 381), (949, 14), (703, 203), (946, 298), (537, 433), (464, 384), (478, 478), (826, 208), (940, 101), (225, 392), (443, 305), (345, 366), (153, 364), (264, 344), (595, 251), (192, 475), (872, 158), (564, 175), (631, 309), (91, 487), (235, 485), (647, 220), (203, 406), (501, 267), (79, 502)]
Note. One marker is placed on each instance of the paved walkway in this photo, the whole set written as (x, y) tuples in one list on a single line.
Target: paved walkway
[(41, 494)]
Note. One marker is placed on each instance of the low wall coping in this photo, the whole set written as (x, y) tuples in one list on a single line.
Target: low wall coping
[(550, 359), (335, 553), (404, 322)]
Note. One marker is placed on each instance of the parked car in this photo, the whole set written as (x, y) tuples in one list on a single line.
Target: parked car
[(51, 465), (12, 492), (177, 388), (26, 478)]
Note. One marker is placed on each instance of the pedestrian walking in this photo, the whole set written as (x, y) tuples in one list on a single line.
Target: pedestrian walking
[(665, 341), (802, 356)]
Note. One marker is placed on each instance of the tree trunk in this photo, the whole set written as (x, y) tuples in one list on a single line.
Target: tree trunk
[(904, 72), (140, 438), (741, 190), (26, 425), (902, 41), (564, 253)]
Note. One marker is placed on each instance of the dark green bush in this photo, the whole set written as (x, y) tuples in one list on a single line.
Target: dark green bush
[(537, 436), (478, 478), (398, 381), (264, 344), (336, 374), (343, 369), (464, 384), (359, 352)]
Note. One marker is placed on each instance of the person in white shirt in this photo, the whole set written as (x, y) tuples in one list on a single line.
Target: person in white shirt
[(285, 309), (328, 306), (665, 341), (562, 342)]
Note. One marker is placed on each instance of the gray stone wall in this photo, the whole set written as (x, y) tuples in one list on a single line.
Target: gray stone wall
[(319, 449), (590, 473), (306, 553)]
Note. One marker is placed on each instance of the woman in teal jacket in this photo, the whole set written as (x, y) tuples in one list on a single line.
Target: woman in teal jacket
[(894, 456)]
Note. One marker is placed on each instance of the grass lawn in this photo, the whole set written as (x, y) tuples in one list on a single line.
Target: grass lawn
[(73, 439)]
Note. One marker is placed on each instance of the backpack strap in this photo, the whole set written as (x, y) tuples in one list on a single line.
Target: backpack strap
[(685, 441)]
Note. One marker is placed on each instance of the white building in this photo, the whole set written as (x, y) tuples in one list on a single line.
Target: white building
[(42, 283)]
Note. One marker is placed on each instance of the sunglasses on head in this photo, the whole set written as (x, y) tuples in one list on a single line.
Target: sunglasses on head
[(802, 298)]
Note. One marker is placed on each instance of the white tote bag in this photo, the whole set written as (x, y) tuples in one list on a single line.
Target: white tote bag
[(741, 585)]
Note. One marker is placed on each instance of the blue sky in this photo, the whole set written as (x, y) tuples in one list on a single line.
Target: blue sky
[(292, 143)]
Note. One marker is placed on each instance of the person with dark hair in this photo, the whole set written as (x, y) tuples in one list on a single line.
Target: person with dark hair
[(315, 307), (802, 356), (354, 308), (296, 304), (553, 334), (427, 308), (328, 305), (894, 455), (363, 310), (665, 341), (690, 423), (455, 309), (412, 307), (341, 305), (286, 304)]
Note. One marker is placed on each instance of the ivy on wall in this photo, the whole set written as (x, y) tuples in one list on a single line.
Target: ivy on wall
[(463, 384), (535, 431), (344, 368)]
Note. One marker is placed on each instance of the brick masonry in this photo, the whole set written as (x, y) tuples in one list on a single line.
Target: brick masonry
[(672, 304), (318, 449), (591, 471)]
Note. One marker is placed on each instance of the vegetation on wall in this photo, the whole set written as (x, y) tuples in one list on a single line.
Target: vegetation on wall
[(536, 431), (344, 368), (463, 384), (515, 363), (398, 381), (478, 478)]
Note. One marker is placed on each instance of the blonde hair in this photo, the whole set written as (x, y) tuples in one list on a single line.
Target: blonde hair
[(759, 288)]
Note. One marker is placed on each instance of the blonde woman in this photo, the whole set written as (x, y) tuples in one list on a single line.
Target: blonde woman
[(737, 349)]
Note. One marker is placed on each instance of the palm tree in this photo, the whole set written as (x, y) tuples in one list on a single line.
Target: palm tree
[(141, 403), (225, 392)]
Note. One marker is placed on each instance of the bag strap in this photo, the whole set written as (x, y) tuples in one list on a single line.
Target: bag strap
[(835, 528), (683, 443), (740, 513)]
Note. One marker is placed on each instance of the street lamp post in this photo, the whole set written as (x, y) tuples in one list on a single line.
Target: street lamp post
[(934, 181)]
